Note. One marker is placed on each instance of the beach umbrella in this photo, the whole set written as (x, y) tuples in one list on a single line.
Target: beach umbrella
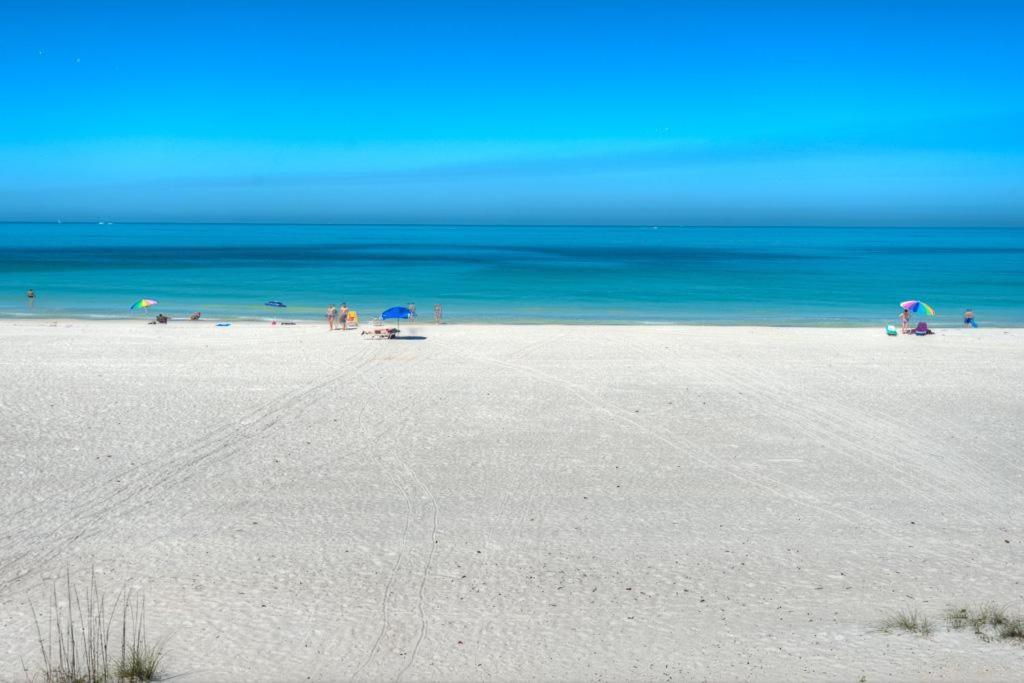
[(914, 306), (275, 304), (144, 303), (396, 313)]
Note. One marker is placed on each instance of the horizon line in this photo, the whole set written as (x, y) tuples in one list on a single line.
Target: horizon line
[(524, 225)]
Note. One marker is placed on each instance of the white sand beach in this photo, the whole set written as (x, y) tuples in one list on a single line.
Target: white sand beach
[(516, 502)]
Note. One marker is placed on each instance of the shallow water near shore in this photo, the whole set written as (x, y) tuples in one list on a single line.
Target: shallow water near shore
[(758, 276)]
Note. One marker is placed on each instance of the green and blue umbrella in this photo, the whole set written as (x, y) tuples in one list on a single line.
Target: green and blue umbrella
[(144, 303)]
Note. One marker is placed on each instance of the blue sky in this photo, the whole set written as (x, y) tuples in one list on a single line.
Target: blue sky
[(686, 113)]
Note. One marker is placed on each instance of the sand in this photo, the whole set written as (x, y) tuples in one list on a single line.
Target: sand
[(508, 502)]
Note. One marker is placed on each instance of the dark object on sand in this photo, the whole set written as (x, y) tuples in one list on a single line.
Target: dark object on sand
[(381, 332)]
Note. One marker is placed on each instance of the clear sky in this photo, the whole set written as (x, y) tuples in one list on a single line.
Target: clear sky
[(519, 112)]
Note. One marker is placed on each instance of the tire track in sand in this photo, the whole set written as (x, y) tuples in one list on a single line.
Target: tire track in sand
[(764, 483), (404, 619), (91, 514)]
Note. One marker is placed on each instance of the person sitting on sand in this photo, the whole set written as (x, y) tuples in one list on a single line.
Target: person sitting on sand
[(162, 319), (195, 316), (905, 320), (969, 318), (332, 315)]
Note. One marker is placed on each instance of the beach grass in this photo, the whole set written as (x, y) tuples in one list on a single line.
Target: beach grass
[(75, 647), (909, 621), (1013, 630), (75, 641), (140, 660), (989, 622)]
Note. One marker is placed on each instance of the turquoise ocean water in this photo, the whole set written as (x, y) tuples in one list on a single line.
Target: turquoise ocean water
[(762, 276)]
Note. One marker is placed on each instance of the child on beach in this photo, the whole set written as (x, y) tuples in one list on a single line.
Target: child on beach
[(31, 294), (437, 314), (905, 320), (412, 311), (969, 318), (332, 315)]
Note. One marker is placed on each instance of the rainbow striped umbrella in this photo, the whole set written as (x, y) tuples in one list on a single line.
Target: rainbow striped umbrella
[(144, 303), (914, 305)]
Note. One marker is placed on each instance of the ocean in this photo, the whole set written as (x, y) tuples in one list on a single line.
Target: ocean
[(753, 276)]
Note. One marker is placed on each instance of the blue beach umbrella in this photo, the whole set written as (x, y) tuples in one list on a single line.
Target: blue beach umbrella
[(396, 313)]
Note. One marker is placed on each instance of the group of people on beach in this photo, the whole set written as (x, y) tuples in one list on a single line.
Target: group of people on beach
[(338, 317), (905, 320)]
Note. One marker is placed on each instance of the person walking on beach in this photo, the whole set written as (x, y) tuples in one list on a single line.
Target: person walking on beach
[(969, 318), (905, 320), (31, 294), (412, 310), (343, 316), (437, 314), (332, 315)]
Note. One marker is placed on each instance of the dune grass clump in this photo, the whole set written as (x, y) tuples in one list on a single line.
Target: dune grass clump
[(910, 621), (989, 622), (75, 648), (1013, 630), (76, 642), (140, 660)]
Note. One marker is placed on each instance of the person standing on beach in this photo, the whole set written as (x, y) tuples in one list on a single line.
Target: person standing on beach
[(412, 310), (437, 314), (332, 315), (31, 294), (343, 316), (905, 320), (969, 318)]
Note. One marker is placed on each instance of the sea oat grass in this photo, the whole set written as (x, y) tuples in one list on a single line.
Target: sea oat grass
[(140, 660), (75, 648), (75, 641), (910, 621), (1013, 630)]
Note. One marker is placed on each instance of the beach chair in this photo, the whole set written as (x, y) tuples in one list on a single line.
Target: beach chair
[(352, 321), (922, 329), (380, 331)]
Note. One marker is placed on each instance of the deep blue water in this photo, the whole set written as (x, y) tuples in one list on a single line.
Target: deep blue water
[(802, 276)]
